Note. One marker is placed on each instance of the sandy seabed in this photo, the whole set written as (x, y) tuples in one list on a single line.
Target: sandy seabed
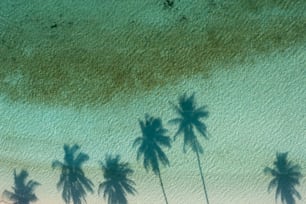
[(257, 107), (255, 111)]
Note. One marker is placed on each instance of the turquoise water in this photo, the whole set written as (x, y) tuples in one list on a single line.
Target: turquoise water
[(69, 75)]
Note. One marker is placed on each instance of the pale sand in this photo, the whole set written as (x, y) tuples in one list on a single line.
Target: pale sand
[(256, 109)]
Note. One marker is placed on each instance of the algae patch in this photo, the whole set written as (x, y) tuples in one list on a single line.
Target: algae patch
[(78, 64)]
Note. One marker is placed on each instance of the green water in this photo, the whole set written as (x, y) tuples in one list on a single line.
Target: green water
[(89, 79)]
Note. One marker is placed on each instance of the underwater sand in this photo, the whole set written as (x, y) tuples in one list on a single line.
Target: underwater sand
[(250, 120), (256, 102)]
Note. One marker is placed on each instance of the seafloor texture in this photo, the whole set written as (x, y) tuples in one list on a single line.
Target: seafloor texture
[(86, 71)]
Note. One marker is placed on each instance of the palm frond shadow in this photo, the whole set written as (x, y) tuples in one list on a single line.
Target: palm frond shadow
[(23, 190), (117, 184), (189, 122), (285, 177), (73, 182), (154, 138)]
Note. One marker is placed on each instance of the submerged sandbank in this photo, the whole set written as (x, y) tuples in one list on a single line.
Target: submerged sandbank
[(255, 109)]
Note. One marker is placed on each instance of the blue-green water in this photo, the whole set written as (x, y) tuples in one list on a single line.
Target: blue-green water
[(79, 72)]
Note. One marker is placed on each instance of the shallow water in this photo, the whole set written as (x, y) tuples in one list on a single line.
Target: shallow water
[(256, 101)]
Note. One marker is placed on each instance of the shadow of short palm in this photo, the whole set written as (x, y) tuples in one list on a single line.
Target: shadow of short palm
[(150, 146), (116, 184), (285, 177), (23, 191), (73, 182)]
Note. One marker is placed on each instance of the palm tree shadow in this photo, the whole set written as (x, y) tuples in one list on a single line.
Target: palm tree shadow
[(23, 191), (73, 182), (189, 120), (117, 184), (285, 176), (150, 147)]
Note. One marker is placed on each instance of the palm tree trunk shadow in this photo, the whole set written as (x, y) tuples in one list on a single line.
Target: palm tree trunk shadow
[(162, 185), (202, 176)]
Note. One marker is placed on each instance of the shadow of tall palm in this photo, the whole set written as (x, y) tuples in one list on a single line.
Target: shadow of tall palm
[(23, 192), (73, 181), (117, 184), (189, 119), (285, 176), (150, 146)]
